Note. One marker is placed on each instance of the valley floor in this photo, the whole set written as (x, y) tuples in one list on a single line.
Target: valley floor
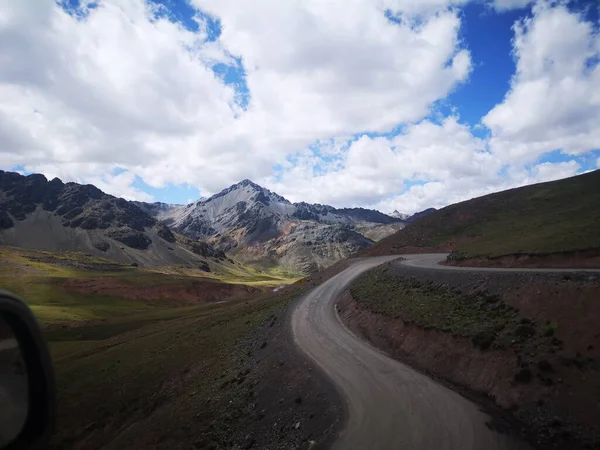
[(168, 358)]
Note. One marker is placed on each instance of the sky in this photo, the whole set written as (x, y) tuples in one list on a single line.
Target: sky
[(386, 104)]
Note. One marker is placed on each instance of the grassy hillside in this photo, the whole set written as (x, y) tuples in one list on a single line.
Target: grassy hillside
[(141, 355), (74, 288), (544, 218), (161, 382)]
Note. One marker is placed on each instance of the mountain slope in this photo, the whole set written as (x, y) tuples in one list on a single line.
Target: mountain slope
[(257, 225), (558, 216), (416, 216), (57, 216)]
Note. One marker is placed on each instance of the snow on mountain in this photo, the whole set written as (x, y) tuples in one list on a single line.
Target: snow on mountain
[(399, 215)]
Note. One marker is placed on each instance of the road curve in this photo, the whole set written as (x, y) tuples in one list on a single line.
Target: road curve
[(390, 405), (432, 261)]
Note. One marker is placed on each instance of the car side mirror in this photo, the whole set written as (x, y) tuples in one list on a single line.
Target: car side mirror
[(26, 379)]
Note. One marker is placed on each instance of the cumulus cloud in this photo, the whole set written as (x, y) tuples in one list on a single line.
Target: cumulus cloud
[(369, 169), (118, 86), (554, 100), (319, 69), (438, 194), (118, 91), (552, 105)]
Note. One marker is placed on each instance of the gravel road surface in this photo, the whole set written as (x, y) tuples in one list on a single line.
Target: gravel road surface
[(390, 406)]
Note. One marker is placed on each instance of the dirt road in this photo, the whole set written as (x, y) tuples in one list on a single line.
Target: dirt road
[(432, 260), (390, 406)]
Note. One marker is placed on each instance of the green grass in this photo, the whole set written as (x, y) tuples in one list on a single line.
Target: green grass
[(484, 319), (151, 384), (53, 305), (558, 216), (236, 273), (39, 278), (135, 373)]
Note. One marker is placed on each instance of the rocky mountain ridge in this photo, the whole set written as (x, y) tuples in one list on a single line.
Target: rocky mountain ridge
[(245, 220), (57, 216), (412, 217), (254, 224)]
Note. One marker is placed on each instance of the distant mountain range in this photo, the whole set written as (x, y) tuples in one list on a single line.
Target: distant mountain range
[(256, 225), (246, 221), (57, 216)]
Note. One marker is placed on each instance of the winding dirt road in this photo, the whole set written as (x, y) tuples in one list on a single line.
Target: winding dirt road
[(390, 405)]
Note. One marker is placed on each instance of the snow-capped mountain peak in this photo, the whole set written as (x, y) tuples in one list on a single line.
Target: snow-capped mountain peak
[(399, 215)]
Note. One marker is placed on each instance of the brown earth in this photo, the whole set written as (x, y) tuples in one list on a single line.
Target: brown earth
[(177, 294), (294, 405), (266, 394), (561, 404), (437, 353), (580, 259)]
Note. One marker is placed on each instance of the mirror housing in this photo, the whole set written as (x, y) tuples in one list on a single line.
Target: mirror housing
[(38, 425)]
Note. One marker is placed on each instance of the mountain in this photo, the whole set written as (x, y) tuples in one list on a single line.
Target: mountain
[(255, 224), (547, 218), (411, 218), (418, 215), (57, 216), (399, 215), (245, 220)]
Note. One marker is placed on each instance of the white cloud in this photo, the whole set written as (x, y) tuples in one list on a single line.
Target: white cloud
[(554, 100), (105, 177), (120, 185), (117, 88), (450, 190), (124, 89), (370, 169), (320, 69), (123, 93), (552, 171), (506, 5)]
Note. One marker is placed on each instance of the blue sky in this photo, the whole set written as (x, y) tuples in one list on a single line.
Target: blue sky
[(420, 106)]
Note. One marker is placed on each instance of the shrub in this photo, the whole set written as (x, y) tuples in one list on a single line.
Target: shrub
[(525, 331), (484, 339)]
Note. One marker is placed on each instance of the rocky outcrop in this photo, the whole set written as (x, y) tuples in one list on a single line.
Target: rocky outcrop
[(164, 232), (79, 206), (5, 221), (57, 216), (131, 238), (206, 250)]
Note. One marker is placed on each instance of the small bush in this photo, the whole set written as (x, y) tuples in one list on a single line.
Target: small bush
[(525, 331), (484, 339), (549, 328)]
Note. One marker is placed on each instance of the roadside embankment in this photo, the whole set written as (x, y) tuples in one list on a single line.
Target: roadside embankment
[(526, 343)]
